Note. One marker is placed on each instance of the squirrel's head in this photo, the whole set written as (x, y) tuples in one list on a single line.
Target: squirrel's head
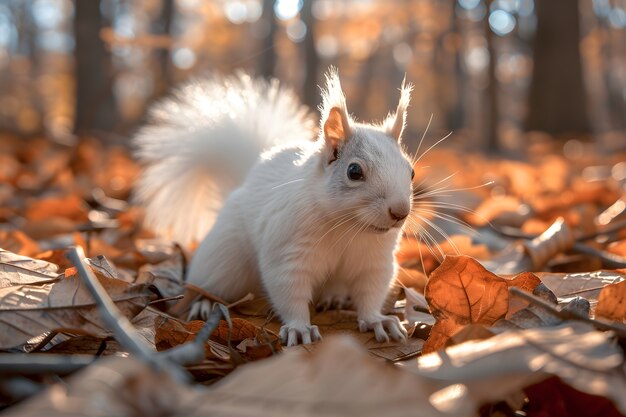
[(368, 174)]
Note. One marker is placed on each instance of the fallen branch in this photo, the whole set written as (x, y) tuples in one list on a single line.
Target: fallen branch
[(619, 330), (192, 353), (122, 329), (42, 363)]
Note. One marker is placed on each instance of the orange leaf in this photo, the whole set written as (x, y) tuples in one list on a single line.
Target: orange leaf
[(171, 333), (69, 207), (461, 291), (526, 281), (242, 329), (17, 242), (612, 302)]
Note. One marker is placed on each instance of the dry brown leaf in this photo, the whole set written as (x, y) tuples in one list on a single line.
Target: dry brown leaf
[(583, 284), (18, 270), (526, 281), (618, 248), (492, 369), (87, 345), (412, 278), (18, 242), (111, 386), (493, 208), (251, 341), (99, 266), (242, 329), (339, 378), (69, 207), (47, 228), (27, 311), (461, 291), (171, 332), (417, 254), (612, 302), (167, 276)]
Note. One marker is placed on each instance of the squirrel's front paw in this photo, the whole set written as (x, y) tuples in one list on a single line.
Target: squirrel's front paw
[(293, 334), (380, 323)]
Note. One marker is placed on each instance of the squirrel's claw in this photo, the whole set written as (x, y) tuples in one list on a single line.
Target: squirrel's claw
[(291, 335), (336, 302), (381, 325), (200, 310)]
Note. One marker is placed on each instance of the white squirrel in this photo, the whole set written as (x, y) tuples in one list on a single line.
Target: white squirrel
[(308, 219)]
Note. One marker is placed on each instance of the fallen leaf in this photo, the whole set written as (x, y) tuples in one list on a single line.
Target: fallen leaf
[(241, 329), (492, 369), (167, 276), (18, 270), (618, 248), (339, 378), (415, 254), (583, 284), (459, 292), (526, 281), (612, 302), (416, 308), (18, 242), (69, 207), (554, 398), (65, 305), (112, 386)]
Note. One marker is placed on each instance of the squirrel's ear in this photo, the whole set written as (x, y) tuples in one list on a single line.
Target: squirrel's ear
[(395, 123), (335, 127), (335, 122)]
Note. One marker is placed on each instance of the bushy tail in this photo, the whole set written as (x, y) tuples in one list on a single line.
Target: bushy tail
[(201, 143)]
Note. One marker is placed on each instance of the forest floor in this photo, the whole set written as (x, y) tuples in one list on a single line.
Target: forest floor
[(514, 297)]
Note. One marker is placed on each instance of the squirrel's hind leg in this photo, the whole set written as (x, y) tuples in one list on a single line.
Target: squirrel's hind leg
[(223, 265)]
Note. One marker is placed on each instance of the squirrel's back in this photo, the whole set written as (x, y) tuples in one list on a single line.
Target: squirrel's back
[(200, 144)]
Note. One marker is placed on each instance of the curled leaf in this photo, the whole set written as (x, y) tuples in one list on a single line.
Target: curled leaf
[(461, 291)]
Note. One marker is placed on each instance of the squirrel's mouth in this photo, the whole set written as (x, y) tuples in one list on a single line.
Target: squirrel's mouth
[(377, 229)]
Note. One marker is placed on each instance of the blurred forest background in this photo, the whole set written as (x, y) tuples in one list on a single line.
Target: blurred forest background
[(500, 73)]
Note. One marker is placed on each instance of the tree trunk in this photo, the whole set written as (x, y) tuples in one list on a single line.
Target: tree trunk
[(311, 95), (267, 60), (95, 104), (557, 102), (492, 116), (163, 27)]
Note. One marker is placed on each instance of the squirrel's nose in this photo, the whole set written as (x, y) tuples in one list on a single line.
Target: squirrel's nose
[(398, 213)]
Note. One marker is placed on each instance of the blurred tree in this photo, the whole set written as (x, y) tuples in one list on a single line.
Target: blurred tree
[(557, 101), (491, 114), (311, 59), (162, 26), (267, 59), (95, 102)]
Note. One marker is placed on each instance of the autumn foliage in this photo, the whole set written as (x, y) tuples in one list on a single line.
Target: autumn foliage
[(521, 295)]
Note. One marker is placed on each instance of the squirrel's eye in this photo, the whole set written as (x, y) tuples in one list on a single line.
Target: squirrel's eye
[(412, 174), (355, 172)]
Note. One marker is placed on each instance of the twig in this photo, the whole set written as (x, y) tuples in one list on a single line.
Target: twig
[(516, 233), (44, 341), (192, 353), (124, 332), (42, 363), (608, 259), (162, 300), (246, 298), (599, 324), (205, 293)]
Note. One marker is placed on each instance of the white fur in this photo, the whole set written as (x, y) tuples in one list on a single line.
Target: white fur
[(297, 227)]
